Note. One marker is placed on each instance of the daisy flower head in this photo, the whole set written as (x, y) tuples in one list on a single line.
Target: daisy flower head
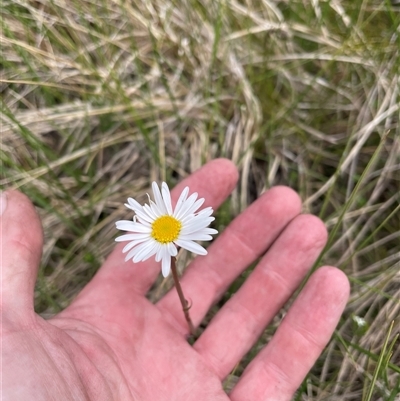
[(157, 229)]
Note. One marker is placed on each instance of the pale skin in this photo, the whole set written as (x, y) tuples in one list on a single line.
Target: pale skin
[(111, 343)]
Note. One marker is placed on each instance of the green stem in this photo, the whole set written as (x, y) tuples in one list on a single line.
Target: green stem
[(184, 302)]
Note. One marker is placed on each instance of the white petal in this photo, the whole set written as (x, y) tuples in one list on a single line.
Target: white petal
[(195, 206), (157, 250), (186, 206), (128, 247), (172, 249), (166, 265), (150, 211), (208, 230), (131, 244), (126, 225), (155, 209), (189, 215), (196, 237), (130, 237), (127, 257), (161, 252), (196, 225), (146, 252), (133, 204), (143, 215), (208, 211), (181, 200), (137, 249), (158, 198), (191, 246), (152, 252), (167, 197), (201, 232)]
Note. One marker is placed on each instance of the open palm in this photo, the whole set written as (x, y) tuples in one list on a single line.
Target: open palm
[(111, 343)]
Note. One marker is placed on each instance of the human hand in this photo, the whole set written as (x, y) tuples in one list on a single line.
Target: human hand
[(111, 343)]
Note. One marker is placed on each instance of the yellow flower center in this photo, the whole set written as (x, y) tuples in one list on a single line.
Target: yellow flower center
[(166, 229)]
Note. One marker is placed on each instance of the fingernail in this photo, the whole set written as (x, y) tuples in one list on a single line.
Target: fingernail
[(3, 202)]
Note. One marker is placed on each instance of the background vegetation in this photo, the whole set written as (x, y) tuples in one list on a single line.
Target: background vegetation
[(99, 98)]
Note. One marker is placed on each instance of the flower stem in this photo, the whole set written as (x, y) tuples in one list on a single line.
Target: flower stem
[(184, 302)]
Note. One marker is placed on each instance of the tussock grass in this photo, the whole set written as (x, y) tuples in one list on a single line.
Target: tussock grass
[(101, 98)]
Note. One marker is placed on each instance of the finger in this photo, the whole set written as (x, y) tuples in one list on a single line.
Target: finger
[(214, 181), (243, 241), (21, 249), (280, 368), (242, 319)]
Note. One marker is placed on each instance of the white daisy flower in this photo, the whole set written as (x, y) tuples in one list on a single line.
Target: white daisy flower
[(158, 230)]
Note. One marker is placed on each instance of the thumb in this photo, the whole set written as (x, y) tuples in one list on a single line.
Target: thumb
[(21, 241)]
